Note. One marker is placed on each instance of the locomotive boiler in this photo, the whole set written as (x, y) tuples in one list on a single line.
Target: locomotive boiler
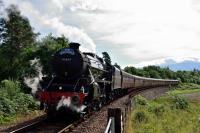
[(82, 82)]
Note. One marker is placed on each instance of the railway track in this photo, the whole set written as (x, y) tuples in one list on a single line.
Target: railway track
[(45, 125), (26, 127), (49, 125), (73, 125)]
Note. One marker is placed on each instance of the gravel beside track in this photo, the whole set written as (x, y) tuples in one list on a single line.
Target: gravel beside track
[(153, 93), (193, 96), (98, 121)]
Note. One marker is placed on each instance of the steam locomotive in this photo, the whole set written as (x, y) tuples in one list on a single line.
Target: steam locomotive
[(84, 81)]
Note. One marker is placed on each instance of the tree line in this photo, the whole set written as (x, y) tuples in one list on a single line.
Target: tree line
[(165, 73)]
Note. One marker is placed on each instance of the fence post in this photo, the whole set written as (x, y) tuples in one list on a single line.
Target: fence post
[(116, 113), (113, 124)]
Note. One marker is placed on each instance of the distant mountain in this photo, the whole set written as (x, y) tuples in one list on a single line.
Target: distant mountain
[(184, 65)]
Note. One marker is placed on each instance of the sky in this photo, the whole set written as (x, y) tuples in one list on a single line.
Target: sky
[(133, 32)]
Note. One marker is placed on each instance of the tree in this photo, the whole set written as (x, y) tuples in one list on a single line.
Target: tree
[(118, 66), (19, 33), (46, 48), (17, 39), (131, 70), (106, 57)]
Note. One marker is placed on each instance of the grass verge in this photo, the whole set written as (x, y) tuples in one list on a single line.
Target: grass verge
[(172, 113)]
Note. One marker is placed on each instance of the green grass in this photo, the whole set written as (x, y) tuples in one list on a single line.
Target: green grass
[(18, 118), (172, 113), (186, 91), (162, 118)]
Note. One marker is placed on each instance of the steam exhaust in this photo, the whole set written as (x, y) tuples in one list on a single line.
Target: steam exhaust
[(67, 102)]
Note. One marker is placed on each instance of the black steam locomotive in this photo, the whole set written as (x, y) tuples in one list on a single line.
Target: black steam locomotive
[(84, 81)]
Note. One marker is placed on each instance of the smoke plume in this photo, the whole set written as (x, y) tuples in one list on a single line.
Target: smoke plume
[(34, 82), (66, 102)]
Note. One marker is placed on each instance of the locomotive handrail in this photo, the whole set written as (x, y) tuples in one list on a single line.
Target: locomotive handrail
[(98, 68), (50, 83), (93, 80), (77, 83)]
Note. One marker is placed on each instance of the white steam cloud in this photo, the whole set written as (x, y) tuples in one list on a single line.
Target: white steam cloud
[(66, 102), (34, 82), (73, 33)]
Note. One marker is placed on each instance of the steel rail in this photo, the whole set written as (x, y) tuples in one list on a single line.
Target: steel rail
[(29, 126)]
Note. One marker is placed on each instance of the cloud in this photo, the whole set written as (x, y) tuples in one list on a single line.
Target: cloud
[(168, 61), (56, 26), (74, 34), (132, 31)]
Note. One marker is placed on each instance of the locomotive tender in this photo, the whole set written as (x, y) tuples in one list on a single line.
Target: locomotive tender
[(84, 81)]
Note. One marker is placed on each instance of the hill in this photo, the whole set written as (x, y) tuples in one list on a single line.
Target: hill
[(186, 65)]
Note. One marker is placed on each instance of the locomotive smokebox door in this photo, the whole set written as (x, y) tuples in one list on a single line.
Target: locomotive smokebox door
[(69, 62)]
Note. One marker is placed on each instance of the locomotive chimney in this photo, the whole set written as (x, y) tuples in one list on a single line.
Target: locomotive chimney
[(74, 45)]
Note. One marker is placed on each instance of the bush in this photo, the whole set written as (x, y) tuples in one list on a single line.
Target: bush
[(10, 88), (13, 101), (6, 106), (24, 102), (140, 116), (185, 86), (139, 100), (158, 109), (180, 102)]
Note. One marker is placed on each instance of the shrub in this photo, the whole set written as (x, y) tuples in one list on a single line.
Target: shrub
[(30, 103), (158, 109), (6, 106), (180, 102), (24, 102), (140, 116), (13, 101), (10, 87), (139, 100), (185, 86)]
